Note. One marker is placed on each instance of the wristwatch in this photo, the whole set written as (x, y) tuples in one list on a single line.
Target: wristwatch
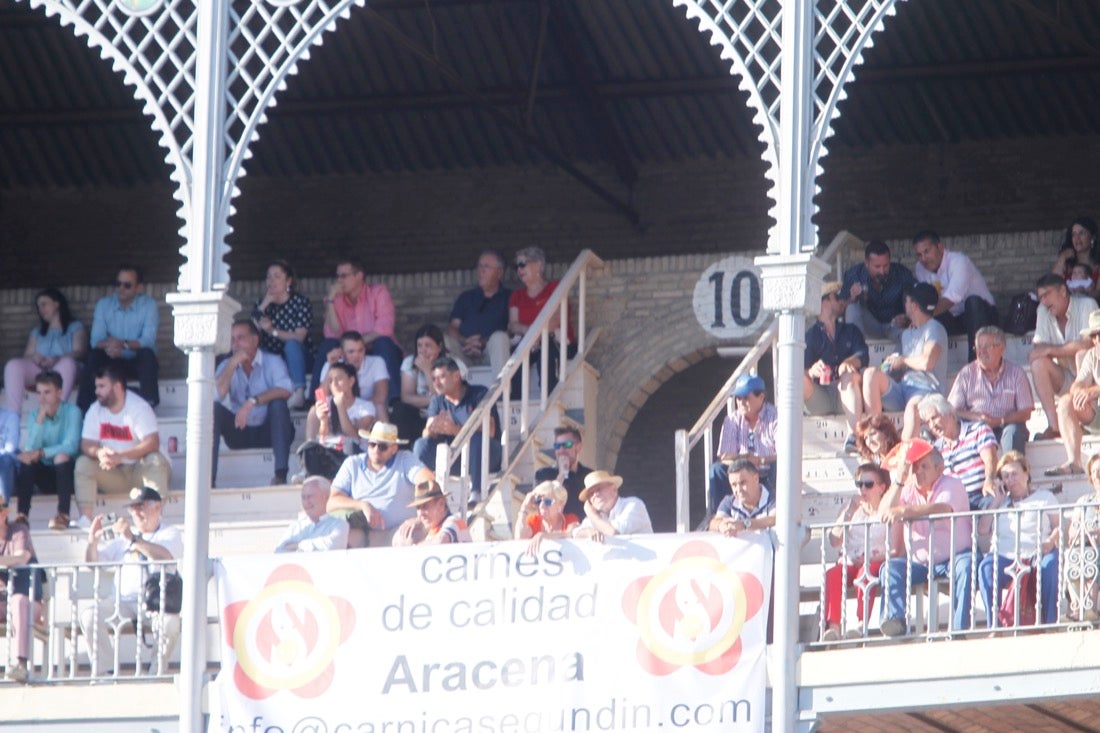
[(254, 400), (746, 523)]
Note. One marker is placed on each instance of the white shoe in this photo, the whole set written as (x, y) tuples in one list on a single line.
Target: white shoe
[(297, 400), (82, 522)]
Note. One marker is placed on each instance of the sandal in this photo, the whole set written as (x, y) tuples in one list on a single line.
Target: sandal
[(61, 521), (1048, 434), (1066, 469)]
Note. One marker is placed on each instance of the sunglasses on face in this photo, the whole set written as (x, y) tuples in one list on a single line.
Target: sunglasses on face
[(379, 446), (564, 444), (520, 264), (864, 483), (544, 501), (124, 285)]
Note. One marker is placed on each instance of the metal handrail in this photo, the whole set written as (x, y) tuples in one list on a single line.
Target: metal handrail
[(686, 440), (538, 333)]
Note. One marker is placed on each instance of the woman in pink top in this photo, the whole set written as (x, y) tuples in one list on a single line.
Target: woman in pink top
[(524, 307)]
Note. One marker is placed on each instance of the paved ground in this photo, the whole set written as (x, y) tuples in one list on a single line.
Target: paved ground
[(1053, 717)]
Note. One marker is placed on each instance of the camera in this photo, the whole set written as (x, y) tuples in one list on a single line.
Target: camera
[(108, 526)]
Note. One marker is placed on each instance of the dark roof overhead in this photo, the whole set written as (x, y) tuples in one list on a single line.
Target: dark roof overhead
[(418, 85)]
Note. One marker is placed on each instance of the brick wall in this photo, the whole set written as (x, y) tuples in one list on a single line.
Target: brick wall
[(438, 221)]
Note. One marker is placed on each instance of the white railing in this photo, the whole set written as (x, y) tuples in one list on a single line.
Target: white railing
[(703, 429), (76, 598), (572, 285), (1074, 567)]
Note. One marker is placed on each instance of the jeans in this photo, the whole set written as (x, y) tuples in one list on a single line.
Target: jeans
[(1012, 437), (57, 477), (424, 450), (296, 356), (976, 313), (143, 367), (8, 462), (275, 432), (382, 346), (1047, 578), (892, 578), (553, 366)]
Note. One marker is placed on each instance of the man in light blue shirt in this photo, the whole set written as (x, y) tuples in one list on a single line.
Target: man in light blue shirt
[(9, 444), (51, 448), (251, 412), (317, 531), (124, 334)]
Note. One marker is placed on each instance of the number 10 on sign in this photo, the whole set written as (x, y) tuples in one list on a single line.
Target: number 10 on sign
[(727, 298)]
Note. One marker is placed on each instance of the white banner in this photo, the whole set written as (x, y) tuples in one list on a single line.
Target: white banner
[(644, 634)]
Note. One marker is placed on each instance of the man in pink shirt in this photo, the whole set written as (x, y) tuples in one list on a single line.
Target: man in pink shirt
[(352, 304), (938, 548)]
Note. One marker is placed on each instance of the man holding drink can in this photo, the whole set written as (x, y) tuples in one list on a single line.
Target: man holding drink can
[(835, 354)]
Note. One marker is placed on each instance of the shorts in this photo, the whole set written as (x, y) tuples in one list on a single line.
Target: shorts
[(357, 520), (1094, 427), (825, 400), (898, 395)]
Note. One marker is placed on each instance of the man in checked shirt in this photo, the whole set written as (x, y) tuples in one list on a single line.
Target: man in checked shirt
[(750, 430), (994, 391)]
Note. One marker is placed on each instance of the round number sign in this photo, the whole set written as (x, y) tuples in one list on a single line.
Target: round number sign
[(727, 298)]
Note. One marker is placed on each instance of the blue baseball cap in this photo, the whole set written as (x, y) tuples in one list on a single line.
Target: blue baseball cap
[(746, 384)]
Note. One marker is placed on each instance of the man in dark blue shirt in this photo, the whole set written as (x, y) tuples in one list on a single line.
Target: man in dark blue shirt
[(875, 292), (478, 331), (835, 354), (453, 404)]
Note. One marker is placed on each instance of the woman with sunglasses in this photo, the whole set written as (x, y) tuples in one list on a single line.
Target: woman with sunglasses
[(542, 515), (524, 307), (57, 343), (864, 542)]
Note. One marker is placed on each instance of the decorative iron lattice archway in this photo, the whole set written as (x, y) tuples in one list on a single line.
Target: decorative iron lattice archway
[(749, 33)]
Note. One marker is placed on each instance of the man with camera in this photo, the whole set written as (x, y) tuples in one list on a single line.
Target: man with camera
[(134, 544)]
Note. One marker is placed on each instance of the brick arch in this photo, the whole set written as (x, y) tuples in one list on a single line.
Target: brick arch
[(649, 333), (638, 398)]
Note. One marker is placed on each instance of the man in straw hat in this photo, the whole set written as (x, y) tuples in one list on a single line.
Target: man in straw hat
[(433, 524), (1077, 409), (372, 490), (941, 551), (607, 514), (835, 354)]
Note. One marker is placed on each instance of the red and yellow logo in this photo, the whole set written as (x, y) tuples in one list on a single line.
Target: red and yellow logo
[(692, 612), (285, 638)]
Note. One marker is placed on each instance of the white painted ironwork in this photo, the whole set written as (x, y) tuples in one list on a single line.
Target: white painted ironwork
[(751, 36)]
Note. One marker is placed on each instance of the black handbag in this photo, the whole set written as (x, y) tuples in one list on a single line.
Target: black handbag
[(173, 593), (1022, 314)]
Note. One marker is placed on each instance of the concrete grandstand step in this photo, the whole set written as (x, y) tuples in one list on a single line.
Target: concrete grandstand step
[(226, 538)]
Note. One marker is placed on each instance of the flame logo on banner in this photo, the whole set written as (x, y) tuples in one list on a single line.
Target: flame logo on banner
[(285, 638), (691, 613)]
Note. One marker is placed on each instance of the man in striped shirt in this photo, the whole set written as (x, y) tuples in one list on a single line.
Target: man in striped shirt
[(969, 449), (994, 391)]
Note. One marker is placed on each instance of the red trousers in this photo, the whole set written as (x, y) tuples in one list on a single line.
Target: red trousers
[(834, 577)]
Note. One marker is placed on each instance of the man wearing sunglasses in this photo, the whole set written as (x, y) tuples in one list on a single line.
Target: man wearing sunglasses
[(372, 491), (124, 335), (569, 471)]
